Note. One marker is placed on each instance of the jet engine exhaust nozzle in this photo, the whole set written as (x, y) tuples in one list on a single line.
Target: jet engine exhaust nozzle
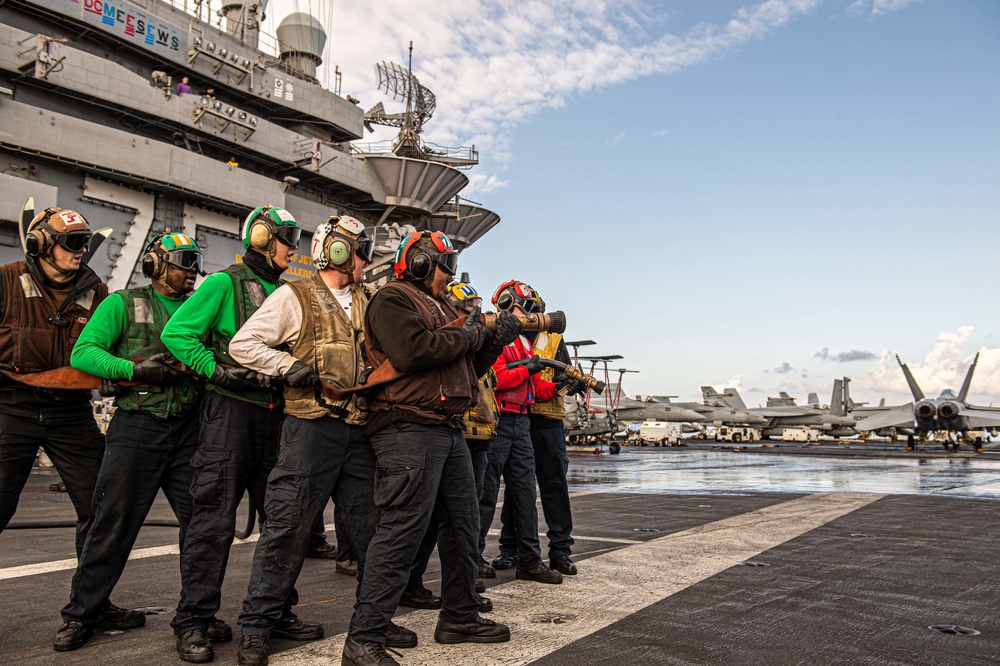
[(948, 410), (925, 409)]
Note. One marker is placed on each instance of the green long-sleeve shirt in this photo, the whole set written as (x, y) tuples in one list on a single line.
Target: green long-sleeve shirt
[(105, 328), (212, 307)]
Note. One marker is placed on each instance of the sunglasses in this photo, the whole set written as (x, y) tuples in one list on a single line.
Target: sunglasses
[(73, 241), (186, 260)]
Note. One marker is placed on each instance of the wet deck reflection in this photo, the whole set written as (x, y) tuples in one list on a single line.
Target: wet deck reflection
[(719, 472)]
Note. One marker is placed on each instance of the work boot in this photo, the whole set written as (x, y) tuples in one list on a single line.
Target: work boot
[(71, 635), (540, 574), (347, 567), (194, 647), (252, 651), (480, 585), (504, 561), (485, 603), (114, 617), (219, 632), (418, 596), (367, 653), (400, 637), (324, 551), (297, 630), (563, 565), (486, 569), (479, 630)]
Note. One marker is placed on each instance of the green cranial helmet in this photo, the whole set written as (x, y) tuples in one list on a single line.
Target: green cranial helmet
[(264, 224)]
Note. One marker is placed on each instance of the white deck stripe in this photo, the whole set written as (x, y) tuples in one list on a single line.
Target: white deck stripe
[(610, 586)]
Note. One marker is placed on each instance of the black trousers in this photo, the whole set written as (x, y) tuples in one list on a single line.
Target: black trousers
[(551, 467), (422, 472), (72, 441), (143, 455), (237, 448), (512, 456), (318, 458)]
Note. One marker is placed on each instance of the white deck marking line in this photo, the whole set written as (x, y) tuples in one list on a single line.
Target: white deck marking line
[(610, 586)]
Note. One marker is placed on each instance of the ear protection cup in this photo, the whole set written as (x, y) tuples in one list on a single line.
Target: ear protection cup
[(150, 264), (36, 242), (340, 252), (260, 235), (420, 265)]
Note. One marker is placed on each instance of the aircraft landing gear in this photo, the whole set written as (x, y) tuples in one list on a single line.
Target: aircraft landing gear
[(614, 448), (910, 446)]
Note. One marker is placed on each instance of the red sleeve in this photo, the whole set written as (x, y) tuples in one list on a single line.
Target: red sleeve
[(543, 390), (508, 379)]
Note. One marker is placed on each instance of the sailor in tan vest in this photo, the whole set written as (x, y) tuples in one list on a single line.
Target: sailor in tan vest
[(324, 451)]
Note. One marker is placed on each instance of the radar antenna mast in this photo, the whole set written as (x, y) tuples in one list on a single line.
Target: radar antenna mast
[(420, 102)]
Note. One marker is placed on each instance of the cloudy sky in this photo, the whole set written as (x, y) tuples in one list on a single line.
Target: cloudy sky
[(760, 194)]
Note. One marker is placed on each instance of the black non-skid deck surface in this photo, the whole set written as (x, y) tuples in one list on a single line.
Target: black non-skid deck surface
[(859, 590)]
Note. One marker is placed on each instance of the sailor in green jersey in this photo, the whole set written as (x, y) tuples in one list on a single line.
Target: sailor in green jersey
[(241, 416), (152, 436)]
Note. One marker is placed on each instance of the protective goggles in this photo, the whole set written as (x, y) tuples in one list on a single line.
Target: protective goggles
[(186, 260), (449, 262), (365, 248), (288, 234), (519, 294), (73, 241)]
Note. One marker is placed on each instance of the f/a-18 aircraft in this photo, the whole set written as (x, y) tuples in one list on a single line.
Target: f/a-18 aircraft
[(782, 412), (715, 414), (948, 413)]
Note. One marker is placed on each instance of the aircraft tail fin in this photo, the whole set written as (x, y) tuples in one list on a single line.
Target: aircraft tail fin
[(813, 400), (837, 401), (914, 387), (732, 398), (968, 380), (881, 403)]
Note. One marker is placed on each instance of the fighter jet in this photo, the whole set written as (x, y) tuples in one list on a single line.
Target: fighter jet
[(782, 412), (636, 411), (711, 415), (948, 413)]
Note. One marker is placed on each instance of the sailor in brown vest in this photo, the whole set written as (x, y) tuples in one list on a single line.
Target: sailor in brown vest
[(45, 301), (320, 322), (423, 466)]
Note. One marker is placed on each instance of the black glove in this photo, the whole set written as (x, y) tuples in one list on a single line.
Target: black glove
[(571, 387), (475, 330), (508, 327), (301, 375), (109, 388), (7, 367), (365, 374), (534, 365), (238, 379), (154, 370)]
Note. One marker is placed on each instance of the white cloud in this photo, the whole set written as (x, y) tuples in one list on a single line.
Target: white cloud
[(944, 366), (877, 7), (495, 64)]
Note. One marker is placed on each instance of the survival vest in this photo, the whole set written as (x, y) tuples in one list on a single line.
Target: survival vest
[(331, 344), (31, 337), (481, 419), (515, 399), (546, 345), (141, 339), (248, 296)]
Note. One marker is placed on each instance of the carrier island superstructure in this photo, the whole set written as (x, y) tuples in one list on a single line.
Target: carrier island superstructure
[(90, 119)]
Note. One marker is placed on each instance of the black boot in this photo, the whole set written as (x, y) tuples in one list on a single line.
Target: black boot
[(297, 630), (504, 561), (252, 651), (400, 637), (368, 653), (540, 574), (418, 596), (563, 565), (71, 636), (486, 569), (114, 617), (479, 630), (219, 632), (194, 647)]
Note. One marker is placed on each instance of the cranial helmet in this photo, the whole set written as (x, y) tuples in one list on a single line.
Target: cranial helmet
[(177, 250), (338, 242), (512, 293), (57, 226), (419, 251), (264, 224), (463, 295)]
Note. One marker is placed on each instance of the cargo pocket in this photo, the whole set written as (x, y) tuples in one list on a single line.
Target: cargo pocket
[(398, 484), (284, 498), (208, 482)]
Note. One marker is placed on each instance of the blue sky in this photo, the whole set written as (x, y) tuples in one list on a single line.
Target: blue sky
[(720, 191)]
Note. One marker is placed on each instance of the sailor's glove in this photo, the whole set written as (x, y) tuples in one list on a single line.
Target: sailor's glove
[(301, 375), (571, 387), (7, 367), (363, 379), (508, 327), (154, 370), (109, 388), (238, 379), (475, 330), (534, 365)]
